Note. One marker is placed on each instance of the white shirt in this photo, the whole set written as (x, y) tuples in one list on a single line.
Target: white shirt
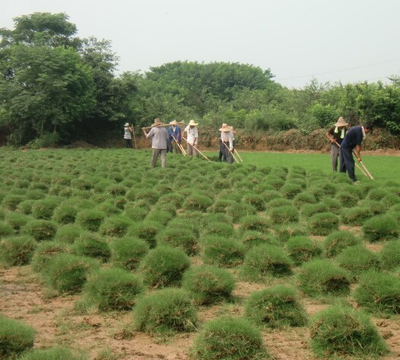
[(192, 134)]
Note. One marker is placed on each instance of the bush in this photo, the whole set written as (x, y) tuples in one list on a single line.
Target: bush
[(41, 229), (340, 331), (183, 239), (254, 222), (136, 213), (163, 266), (356, 216), (276, 307), (304, 198), (229, 338), (17, 221), (347, 198), (221, 251), (55, 353), (286, 231), (380, 228), (208, 284), (390, 255), (68, 233), (128, 252), (379, 292), (112, 289), (221, 205), (65, 214), (237, 211), (44, 209), (91, 245), (18, 250), (284, 214), (339, 240), (67, 273), (255, 200), (218, 228), (116, 226), (147, 231), (6, 229), (11, 201), (323, 223), (320, 277), (302, 249), (15, 337), (255, 238), (44, 253), (90, 219), (263, 260), (161, 216), (197, 202), (290, 190), (165, 311), (309, 210)]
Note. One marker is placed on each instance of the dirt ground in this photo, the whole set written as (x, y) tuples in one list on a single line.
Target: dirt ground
[(108, 336)]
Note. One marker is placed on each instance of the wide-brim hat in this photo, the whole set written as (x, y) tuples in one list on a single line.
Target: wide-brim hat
[(126, 125), (174, 122), (341, 122), (225, 128), (192, 123)]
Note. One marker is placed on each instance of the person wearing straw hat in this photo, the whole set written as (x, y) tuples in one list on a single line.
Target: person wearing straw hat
[(158, 135), (336, 135), (128, 130), (352, 143), (174, 137), (226, 145), (192, 138)]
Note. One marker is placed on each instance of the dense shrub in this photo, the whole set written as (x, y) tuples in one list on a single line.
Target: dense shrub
[(229, 338), (356, 216), (239, 210), (147, 231), (112, 289), (116, 226), (40, 229), (6, 229), (197, 202), (17, 250), (304, 198), (253, 238), (342, 331), (290, 190), (276, 307), (45, 251), (339, 240), (377, 207), (11, 201), (183, 239), (286, 231), (128, 252), (54, 353), (15, 337), (302, 249), (161, 216), (65, 214), (254, 222), (172, 198), (308, 210), (284, 214), (221, 251), (208, 284), (67, 273), (218, 228), (68, 233), (136, 213), (163, 266), (255, 200), (381, 227), (323, 223), (322, 277), (379, 292), (165, 311), (44, 209), (90, 219), (266, 260), (16, 220), (91, 245), (390, 255)]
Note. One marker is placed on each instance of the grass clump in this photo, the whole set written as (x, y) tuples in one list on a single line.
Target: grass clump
[(15, 337), (44, 209), (342, 331), (197, 202), (255, 200), (266, 260), (284, 214), (6, 229), (128, 252), (229, 338), (54, 353), (112, 289), (356, 216), (41, 229), (218, 228), (65, 214), (183, 239), (92, 245), (166, 312), (116, 226), (45, 251), (238, 210), (302, 249), (90, 219), (163, 266), (339, 240), (17, 250), (390, 255), (381, 228), (255, 238), (221, 251), (379, 292), (323, 223), (208, 284), (17, 221), (320, 277), (276, 307), (255, 223), (67, 273), (68, 233), (308, 210), (147, 231)]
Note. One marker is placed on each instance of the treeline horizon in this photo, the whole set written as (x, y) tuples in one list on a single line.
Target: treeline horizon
[(57, 88)]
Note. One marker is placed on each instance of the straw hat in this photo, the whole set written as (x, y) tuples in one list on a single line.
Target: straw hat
[(174, 122), (192, 123), (126, 125), (341, 122), (224, 128)]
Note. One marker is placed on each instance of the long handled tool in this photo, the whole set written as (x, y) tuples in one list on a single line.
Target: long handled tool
[(358, 167), (237, 153), (369, 174), (134, 137), (205, 157), (179, 146), (230, 152)]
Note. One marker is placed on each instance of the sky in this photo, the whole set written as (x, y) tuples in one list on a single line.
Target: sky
[(347, 41)]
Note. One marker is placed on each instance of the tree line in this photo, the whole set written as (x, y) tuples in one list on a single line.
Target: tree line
[(58, 88)]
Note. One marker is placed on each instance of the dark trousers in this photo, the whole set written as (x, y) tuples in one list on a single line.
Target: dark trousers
[(128, 143), (347, 162)]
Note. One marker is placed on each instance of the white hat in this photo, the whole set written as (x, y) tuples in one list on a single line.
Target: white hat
[(225, 128), (192, 123)]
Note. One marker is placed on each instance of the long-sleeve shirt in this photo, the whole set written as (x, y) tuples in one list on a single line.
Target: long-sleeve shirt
[(175, 134), (227, 137), (158, 136), (192, 134)]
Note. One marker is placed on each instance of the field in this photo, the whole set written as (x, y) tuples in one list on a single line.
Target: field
[(84, 202)]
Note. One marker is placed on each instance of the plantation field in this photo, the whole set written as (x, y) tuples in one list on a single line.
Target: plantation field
[(102, 257)]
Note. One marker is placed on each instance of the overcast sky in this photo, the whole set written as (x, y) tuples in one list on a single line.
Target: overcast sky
[(330, 40)]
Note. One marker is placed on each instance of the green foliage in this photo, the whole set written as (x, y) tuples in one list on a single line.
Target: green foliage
[(165, 311), (339, 240), (197, 202), (380, 228), (15, 337), (343, 331), (255, 223), (390, 255), (68, 233), (17, 250), (284, 214), (116, 226), (356, 216), (163, 266), (43, 209), (91, 245), (253, 238), (128, 252), (218, 228), (11, 201), (45, 251), (322, 277), (302, 249), (183, 239), (276, 307), (290, 190), (147, 231), (40, 229), (6, 229), (208, 284), (90, 219), (323, 223), (379, 292), (112, 289), (240, 210), (53, 353), (229, 338), (222, 251), (65, 214)]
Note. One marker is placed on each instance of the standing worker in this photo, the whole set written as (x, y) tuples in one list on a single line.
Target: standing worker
[(191, 138), (351, 141), (175, 136), (128, 131), (227, 143), (158, 135), (336, 135)]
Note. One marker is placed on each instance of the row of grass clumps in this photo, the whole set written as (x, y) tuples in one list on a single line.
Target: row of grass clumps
[(164, 243)]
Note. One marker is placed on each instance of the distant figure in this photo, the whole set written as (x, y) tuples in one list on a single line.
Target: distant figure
[(174, 137), (192, 138), (128, 130), (158, 135), (336, 135), (226, 146), (351, 141)]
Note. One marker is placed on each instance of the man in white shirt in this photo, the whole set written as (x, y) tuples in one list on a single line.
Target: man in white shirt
[(192, 138), (226, 142)]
